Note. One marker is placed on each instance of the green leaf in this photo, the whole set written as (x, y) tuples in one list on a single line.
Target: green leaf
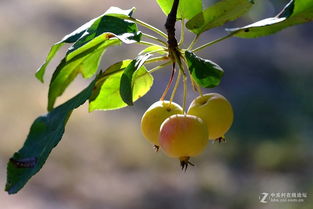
[(205, 73), (127, 79), (41, 71), (70, 38), (82, 32), (84, 56), (186, 8), (120, 13), (85, 63), (218, 14), (295, 12), (124, 30), (106, 94), (45, 133)]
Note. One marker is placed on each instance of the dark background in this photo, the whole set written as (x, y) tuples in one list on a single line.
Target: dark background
[(103, 161)]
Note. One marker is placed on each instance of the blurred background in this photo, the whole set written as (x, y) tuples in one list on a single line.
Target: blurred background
[(103, 161)]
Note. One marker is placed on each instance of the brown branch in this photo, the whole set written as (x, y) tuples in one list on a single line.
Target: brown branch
[(170, 25), (170, 28)]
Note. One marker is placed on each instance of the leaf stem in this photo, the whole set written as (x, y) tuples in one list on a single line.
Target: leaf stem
[(147, 43), (144, 24), (214, 42), (160, 67), (194, 41), (156, 59), (154, 38), (182, 33), (154, 52)]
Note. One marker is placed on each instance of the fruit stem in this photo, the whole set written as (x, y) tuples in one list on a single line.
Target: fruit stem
[(185, 93), (182, 33), (144, 24), (176, 86), (214, 42), (169, 83), (159, 67), (199, 90), (195, 86), (194, 41), (154, 38), (184, 80)]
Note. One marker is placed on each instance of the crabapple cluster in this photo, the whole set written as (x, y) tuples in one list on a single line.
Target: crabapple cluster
[(186, 134)]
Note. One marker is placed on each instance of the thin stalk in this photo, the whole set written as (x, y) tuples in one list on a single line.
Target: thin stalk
[(214, 42), (199, 90), (185, 86), (156, 59), (144, 24), (176, 86), (154, 38), (154, 52), (168, 84), (148, 43), (185, 93), (194, 41), (193, 83), (178, 61), (195, 86), (159, 67), (182, 33)]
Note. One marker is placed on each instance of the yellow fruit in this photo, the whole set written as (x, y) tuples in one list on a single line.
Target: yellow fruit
[(154, 117), (183, 136), (216, 111)]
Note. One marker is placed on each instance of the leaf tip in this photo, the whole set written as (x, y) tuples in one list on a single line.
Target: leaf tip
[(90, 107), (39, 75), (130, 103)]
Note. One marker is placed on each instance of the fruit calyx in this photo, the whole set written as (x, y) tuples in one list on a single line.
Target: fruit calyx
[(220, 140), (156, 148), (184, 162)]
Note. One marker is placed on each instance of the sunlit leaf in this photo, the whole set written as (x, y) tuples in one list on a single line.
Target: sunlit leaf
[(45, 133), (84, 56), (129, 76), (125, 30), (186, 8), (295, 12), (106, 94), (86, 63), (205, 73), (78, 33), (218, 14)]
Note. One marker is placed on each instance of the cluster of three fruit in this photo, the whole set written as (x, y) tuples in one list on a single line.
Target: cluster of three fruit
[(184, 135)]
